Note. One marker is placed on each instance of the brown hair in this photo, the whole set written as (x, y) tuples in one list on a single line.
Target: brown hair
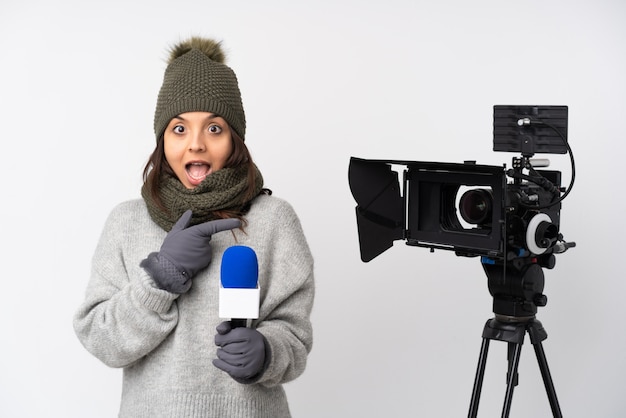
[(157, 166)]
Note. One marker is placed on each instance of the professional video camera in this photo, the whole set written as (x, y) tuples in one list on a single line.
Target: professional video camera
[(508, 217)]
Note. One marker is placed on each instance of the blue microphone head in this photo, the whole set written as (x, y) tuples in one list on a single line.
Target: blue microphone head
[(240, 268)]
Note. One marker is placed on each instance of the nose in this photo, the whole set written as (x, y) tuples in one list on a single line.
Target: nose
[(196, 142)]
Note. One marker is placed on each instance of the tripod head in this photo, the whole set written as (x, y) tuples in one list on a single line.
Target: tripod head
[(517, 291)]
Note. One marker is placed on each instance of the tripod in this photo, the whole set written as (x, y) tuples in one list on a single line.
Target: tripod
[(513, 333), (515, 310)]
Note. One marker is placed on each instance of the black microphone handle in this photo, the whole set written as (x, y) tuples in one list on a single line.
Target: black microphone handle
[(238, 323)]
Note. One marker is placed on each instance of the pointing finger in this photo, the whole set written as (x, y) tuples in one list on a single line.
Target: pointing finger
[(212, 227)]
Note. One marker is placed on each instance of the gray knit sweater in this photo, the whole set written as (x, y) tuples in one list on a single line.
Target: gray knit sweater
[(164, 341)]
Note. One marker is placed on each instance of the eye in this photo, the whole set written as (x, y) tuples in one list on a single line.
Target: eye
[(179, 129), (215, 129)]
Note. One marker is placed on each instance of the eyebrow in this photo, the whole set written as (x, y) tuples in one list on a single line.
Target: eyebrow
[(210, 116)]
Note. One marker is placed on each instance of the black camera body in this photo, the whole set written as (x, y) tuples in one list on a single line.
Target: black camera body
[(490, 218)]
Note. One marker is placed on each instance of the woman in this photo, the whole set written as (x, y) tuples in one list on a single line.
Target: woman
[(151, 305)]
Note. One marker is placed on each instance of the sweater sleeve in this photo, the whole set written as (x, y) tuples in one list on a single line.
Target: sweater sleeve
[(124, 316), (287, 300)]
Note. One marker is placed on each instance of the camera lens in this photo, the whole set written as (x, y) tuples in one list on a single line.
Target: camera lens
[(475, 206)]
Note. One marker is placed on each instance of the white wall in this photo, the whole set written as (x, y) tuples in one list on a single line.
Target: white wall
[(415, 80)]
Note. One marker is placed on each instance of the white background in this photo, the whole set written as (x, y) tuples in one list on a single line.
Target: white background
[(321, 82)]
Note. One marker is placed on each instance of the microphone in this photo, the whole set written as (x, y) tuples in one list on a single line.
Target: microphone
[(239, 293)]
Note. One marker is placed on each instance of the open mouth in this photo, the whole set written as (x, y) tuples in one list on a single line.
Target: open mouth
[(197, 171)]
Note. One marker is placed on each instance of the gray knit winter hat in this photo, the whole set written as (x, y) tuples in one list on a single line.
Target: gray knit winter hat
[(196, 79)]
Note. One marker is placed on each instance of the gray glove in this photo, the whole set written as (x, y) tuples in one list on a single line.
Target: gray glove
[(184, 252), (243, 353)]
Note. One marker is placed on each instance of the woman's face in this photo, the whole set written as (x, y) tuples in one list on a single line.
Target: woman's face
[(196, 144)]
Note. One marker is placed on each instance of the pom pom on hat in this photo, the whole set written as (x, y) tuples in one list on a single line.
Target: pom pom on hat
[(197, 79), (208, 47)]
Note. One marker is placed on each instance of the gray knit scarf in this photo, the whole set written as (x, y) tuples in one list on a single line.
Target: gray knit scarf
[(222, 190)]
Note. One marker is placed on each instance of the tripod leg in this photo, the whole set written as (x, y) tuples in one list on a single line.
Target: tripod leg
[(511, 378), (478, 381), (547, 380), (509, 357)]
